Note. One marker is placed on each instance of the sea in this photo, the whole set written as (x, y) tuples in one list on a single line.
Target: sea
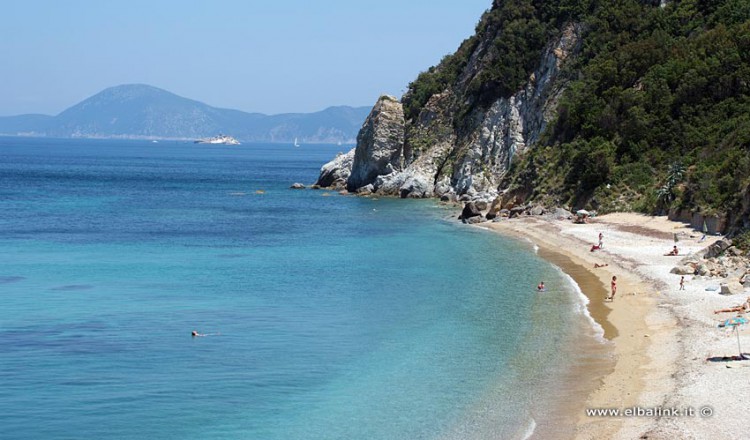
[(322, 316)]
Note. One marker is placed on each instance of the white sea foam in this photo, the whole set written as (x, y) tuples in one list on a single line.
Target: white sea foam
[(530, 428), (533, 245)]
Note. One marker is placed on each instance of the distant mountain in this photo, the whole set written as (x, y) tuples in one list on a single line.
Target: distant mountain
[(25, 124), (142, 111)]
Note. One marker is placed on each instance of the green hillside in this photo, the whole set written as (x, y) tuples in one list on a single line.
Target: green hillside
[(655, 114)]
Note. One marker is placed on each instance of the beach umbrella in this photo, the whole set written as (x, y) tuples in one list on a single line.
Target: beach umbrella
[(705, 231), (735, 323)]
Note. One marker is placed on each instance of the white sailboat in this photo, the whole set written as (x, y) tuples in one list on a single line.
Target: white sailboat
[(296, 144)]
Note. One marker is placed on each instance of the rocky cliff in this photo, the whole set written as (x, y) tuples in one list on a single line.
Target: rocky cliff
[(636, 105), (434, 152)]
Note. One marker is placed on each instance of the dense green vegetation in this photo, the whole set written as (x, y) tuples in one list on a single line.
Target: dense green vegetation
[(656, 113), (437, 79), (518, 31), (662, 87), (742, 241)]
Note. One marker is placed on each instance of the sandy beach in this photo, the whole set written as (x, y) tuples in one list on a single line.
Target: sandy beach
[(669, 353)]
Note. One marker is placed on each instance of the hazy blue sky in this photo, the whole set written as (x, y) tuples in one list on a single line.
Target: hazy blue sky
[(265, 56)]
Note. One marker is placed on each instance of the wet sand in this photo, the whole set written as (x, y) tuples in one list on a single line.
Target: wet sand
[(596, 359)]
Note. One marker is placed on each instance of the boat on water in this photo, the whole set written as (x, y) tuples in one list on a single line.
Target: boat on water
[(221, 139), (296, 144)]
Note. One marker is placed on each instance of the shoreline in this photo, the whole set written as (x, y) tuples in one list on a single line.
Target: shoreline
[(652, 326), (595, 351), (599, 376)]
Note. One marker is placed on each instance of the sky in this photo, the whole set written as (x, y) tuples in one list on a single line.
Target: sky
[(272, 56)]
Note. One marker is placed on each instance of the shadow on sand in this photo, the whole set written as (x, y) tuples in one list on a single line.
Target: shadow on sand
[(743, 357)]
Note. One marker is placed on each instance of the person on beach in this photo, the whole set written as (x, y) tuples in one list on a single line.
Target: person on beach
[(540, 287), (613, 286), (742, 308), (682, 282), (597, 265), (674, 252), (601, 240)]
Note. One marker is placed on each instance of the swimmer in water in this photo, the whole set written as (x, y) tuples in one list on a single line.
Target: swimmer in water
[(195, 334), (540, 287)]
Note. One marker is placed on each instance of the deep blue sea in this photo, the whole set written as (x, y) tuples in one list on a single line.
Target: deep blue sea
[(327, 316)]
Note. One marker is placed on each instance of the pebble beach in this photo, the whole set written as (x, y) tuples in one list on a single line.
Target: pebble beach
[(672, 363)]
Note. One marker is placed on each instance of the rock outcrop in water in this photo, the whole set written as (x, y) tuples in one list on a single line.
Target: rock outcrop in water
[(335, 173), (380, 143)]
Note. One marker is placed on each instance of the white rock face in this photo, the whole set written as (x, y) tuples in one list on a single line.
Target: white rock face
[(338, 169), (380, 143), (379, 156), (513, 124), (411, 183), (389, 183)]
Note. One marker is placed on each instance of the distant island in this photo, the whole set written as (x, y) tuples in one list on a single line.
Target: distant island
[(139, 111)]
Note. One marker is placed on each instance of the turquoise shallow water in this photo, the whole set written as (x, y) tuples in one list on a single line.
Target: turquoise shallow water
[(329, 317)]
